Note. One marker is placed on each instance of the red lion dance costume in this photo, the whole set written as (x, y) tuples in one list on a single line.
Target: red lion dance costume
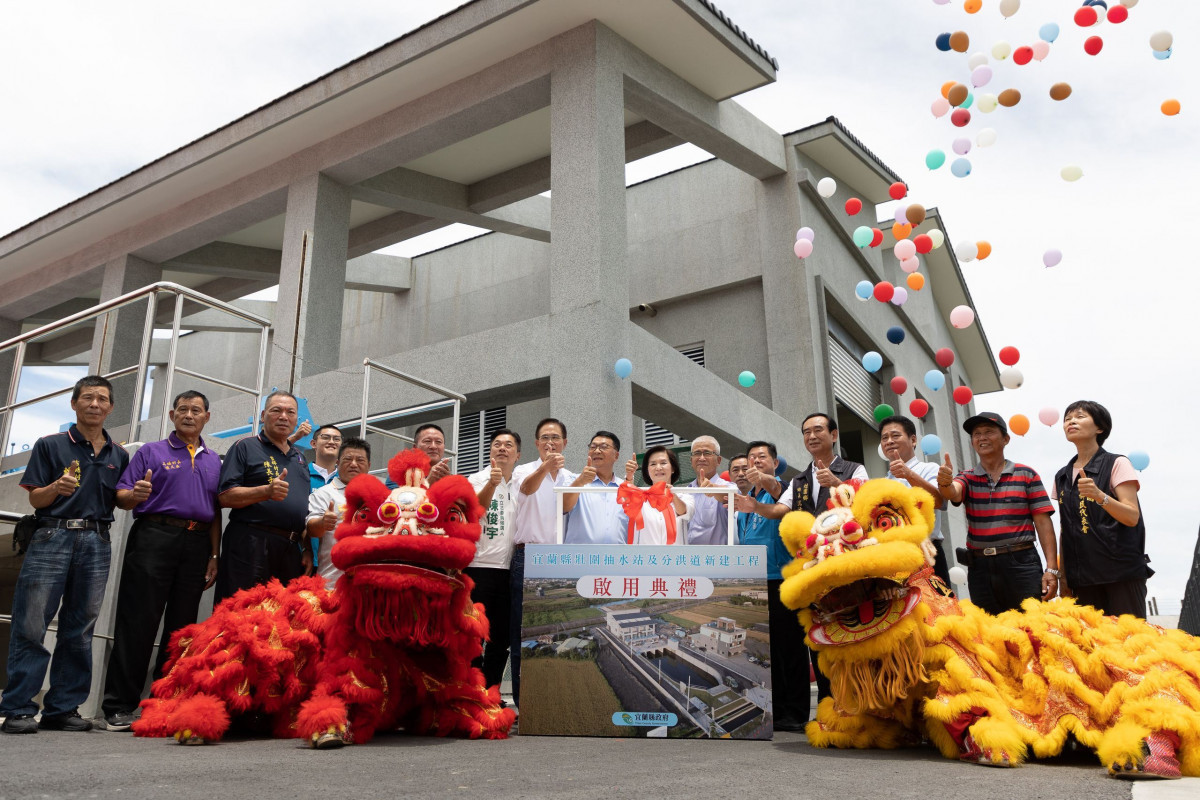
[(390, 647)]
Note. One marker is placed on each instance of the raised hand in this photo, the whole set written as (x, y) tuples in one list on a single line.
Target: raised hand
[(825, 476), (630, 469), (141, 489), (66, 485), (439, 471), (329, 519), (278, 488), (496, 475), (1087, 488), (946, 472), (586, 476)]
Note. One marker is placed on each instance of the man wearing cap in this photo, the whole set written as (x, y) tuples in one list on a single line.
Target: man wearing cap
[(170, 555), (1007, 507), (267, 524)]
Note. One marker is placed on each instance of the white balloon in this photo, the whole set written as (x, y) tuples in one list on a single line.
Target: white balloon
[(958, 575), (1009, 7), (1011, 378), (1071, 173), (986, 138), (1161, 41), (987, 102), (826, 187), (977, 60), (1000, 50), (882, 455), (966, 251), (938, 238)]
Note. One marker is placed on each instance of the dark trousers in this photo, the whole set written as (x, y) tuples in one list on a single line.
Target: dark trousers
[(251, 556), (163, 570), (516, 591), (941, 567), (492, 589), (1001, 582), (1120, 597), (789, 659)]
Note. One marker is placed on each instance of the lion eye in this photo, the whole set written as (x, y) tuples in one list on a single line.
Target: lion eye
[(455, 515), (886, 520), (361, 514), (389, 511)]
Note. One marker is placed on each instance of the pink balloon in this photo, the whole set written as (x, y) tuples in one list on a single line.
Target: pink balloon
[(803, 248), (905, 248), (1048, 416), (983, 73), (910, 265), (962, 316), (940, 107), (901, 214), (899, 296), (1041, 49), (805, 233), (962, 145), (1052, 257)]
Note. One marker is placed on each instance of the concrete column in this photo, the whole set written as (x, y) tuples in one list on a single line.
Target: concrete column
[(589, 272), (117, 342), (308, 315)]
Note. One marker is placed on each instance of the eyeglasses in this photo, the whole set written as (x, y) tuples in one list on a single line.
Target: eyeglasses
[(550, 438), (603, 448), (703, 454), (325, 437)]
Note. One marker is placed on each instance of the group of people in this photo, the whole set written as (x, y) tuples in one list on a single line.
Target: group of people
[(283, 509)]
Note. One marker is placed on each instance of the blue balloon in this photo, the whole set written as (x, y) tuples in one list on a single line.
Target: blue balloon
[(931, 444), (967, 103), (935, 379), (864, 290), (1163, 55), (1099, 3), (895, 334), (934, 159), (1140, 459), (781, 467), (943, 42), (872, 361), (1048, 32), (623, 368), (961, 168)]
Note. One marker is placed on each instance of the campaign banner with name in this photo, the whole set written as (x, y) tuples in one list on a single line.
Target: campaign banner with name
[(646, 641)]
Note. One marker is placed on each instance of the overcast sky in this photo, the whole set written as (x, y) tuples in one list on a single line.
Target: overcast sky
[(94, 91)]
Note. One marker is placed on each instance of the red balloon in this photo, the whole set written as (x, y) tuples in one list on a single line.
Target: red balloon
[(725, 475), (960, 117), (944, 357), (897, 190), (853, 206), (876, 237), (1023, 55), (899, 385), (1009, 356), (884, 291), (962, 395), (924, 242), (918, 408), (1086, 17), (1093, 45), (1118, 14)]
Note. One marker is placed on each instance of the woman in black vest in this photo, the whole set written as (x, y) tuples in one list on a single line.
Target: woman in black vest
[(1103, 552)]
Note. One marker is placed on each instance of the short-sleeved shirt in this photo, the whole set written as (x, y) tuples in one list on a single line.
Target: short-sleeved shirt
[(535, 512), (96, 494), (597, 518), (256, 461), (1001, 513), (1122, 472), (318, 503), (495, 546), (756, 529), (710, 518), (184, 479), (317, 477), (928, 472)]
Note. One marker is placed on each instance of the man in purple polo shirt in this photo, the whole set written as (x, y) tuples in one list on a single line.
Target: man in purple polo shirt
[(171, 554)]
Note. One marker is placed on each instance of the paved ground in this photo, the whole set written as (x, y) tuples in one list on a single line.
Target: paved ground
[(103, 765)]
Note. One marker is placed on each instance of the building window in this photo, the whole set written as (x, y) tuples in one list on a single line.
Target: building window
[(654, 435), (854, 387), (474, 432)]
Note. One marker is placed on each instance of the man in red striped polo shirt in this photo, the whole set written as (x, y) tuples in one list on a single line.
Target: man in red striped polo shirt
[(1006, 507)]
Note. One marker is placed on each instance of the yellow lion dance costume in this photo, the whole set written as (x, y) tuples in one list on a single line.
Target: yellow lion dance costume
[(908, 661)]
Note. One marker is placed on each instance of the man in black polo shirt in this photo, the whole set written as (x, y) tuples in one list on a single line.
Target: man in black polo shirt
[(265, 481), (72, 483)]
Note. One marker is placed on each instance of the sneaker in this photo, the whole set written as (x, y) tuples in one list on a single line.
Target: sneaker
[(19, 723), (119, 721), (65, 722)]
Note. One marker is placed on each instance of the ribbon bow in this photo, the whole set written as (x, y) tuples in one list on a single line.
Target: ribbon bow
[(660, 498)]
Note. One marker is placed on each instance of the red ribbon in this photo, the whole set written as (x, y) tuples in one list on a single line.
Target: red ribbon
[(659, 497)]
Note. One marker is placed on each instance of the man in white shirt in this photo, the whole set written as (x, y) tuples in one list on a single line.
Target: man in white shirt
[(327, 504), (536, 521), (710, 518), (898, 440), (496, 491)]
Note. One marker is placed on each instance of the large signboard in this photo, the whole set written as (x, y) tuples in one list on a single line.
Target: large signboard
[(666, 641)]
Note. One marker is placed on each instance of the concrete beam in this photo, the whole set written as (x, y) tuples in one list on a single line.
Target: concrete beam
[(210, 319), (386, 231), (371, 272), (63, 309), (377, 272)]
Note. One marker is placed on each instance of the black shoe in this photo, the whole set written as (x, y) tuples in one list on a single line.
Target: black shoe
[(789, 724), (119, 721), (19, 723), (65, 722)]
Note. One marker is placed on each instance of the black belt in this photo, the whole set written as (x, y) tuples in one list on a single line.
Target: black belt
[(73, 524), (1000, 549), (291, 536), (177, 522)]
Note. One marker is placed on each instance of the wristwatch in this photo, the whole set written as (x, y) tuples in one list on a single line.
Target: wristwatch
[(1053, 572), (1104, 501)]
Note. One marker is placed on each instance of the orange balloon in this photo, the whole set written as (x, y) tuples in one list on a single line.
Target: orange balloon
[(1170, 107), (972, 6), (916, 281), (959, 41), (985, 250), (1009, 98), (901, 230), (1018, 424), (946, 87)]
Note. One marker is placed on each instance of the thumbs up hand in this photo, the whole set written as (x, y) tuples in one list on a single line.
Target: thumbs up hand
[(330, 519), (825, 476), (278, 488), (496, 475), (142, 489), (945, 472)]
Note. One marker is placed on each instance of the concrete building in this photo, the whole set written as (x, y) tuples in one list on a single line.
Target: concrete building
[(722, 636), (517, 116), (630, 626)]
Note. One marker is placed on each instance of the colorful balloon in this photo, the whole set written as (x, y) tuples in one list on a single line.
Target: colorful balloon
[(1048, 32), (1093, 45), (826, 187), (944, 357), (946, 87), (1018, 424), (1163, 56), (899, 385), (1118, 14), (877, 237), (1060, 91), (1071, 173), (805, 233), (1023, 55), (623, 368), (935, 380), (988, 102), (923, 243), (853, 206), (986, 137), (960, 118), (937, 237), (901, 230), (1000, 50), (916, 281), (900, 296), (1170, 107), (897, 190), (935, 158), (931, 444), (942, 42), (1139, 459), (910, 265), (918, 408), (1009, 7), (983, 249), (961, 145), (966, 251), (961, 168), (972, 6), (1009, 98), (882, 412), (1009, 355), (1040, 50), (1048, 416), (861, 236), (863, 290), (915, 214), (1086, 17), (746, 378), (963, 395), (958, 93), (895, 334), (962, 316), (872, 361), (960, 42), (883, 291), (976, 61), (1161, 40), (940, 107), (1011, 378), (905, 248), (802, 248)]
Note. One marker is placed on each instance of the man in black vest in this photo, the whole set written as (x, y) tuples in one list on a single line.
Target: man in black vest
[(809, 490)]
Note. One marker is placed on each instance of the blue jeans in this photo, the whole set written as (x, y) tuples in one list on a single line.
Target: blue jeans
[(67, 566)]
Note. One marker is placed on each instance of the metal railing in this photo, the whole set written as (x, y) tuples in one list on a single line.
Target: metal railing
[(151, 292), (730, 492)]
